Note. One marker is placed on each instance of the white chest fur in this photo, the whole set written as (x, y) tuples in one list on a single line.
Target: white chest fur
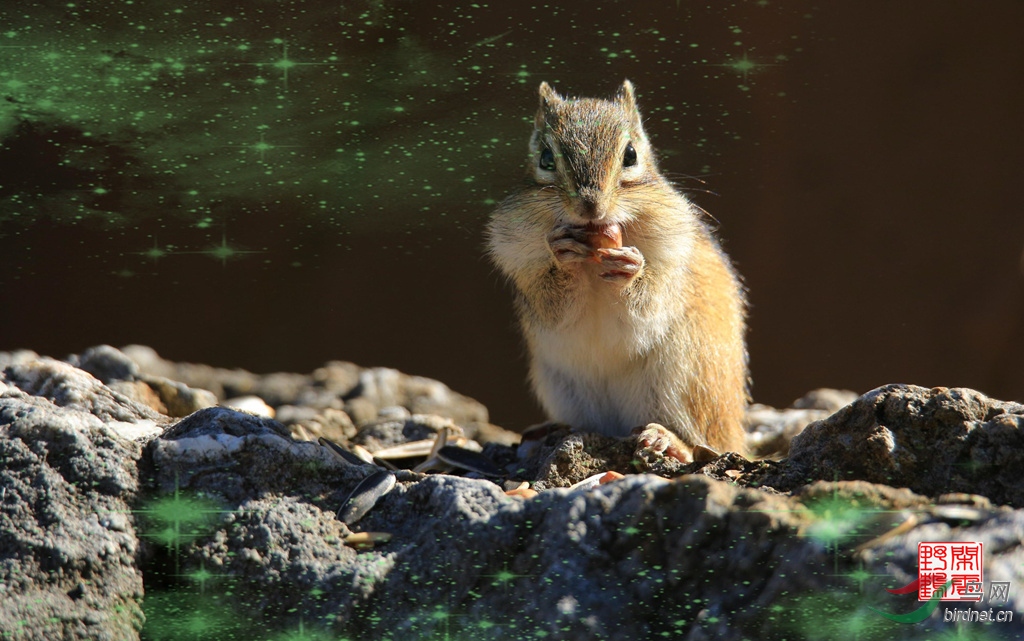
[(593, 370)]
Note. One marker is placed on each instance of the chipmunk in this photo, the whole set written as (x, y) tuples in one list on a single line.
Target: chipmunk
[(633, 315)]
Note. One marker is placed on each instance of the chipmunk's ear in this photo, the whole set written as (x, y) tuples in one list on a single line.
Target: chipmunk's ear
[(548, 97), (625, 96), (627, 100)]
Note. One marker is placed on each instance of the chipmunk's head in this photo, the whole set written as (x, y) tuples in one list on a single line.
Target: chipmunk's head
[(591, 151)]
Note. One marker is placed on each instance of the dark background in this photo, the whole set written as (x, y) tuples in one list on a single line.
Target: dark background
[(274, 185)]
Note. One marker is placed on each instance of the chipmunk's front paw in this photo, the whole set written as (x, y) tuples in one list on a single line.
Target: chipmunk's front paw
[(619, 264), (568, 245)]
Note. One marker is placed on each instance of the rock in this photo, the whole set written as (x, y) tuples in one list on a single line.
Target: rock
[(231, 452), (384, 433), (309, 424), (484, 433), (566, 459), (233, 522), (638, 558), (361, 392), (107, 364), (770, 431), (830, 400), (68, 387), (933, 441), (177, 399), (251, 404), (122, 374), (282, 552), (17, 358), (68, 567), (382, 387)]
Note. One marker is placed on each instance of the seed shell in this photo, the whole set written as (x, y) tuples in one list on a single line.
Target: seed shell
[(341, 452), (469, 460), (365, 496)]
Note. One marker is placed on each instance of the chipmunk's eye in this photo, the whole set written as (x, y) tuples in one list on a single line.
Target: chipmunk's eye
[(629, 156), (547, 160)]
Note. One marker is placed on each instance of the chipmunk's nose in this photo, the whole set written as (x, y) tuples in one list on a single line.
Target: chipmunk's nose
[(590, 203)]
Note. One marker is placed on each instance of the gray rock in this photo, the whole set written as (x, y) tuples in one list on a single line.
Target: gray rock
[(831, 400), (770, 430), (361, 392), (382, 387), (234, 524), (933, 441), (309, 424), (387, 432), (68, 387), (643, 557), (484, 433), (177, 399), (68, 565), (16, 357), (107, 364), (123, 375), (463, 554)]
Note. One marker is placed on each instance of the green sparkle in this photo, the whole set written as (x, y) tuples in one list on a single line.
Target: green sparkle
[(155, 253), (504, 577), (174, 616), (225, 252), (180, 511), (439, 614), (835, 518), (860, 575), (301, 635), (201, 575), (744, 66), (177, 519)]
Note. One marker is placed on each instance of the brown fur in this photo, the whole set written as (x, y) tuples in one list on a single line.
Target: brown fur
[(649, 332)]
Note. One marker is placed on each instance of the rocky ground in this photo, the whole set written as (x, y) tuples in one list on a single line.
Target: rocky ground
[(138, 501)]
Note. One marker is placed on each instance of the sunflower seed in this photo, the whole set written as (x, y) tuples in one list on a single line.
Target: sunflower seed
[(341, 452), (469, 460), (598, 479), (365, 496), (406, 450)]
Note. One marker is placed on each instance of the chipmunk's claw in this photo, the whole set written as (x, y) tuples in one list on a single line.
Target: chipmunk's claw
[(619, 263), (568, 245), (659, 440)]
